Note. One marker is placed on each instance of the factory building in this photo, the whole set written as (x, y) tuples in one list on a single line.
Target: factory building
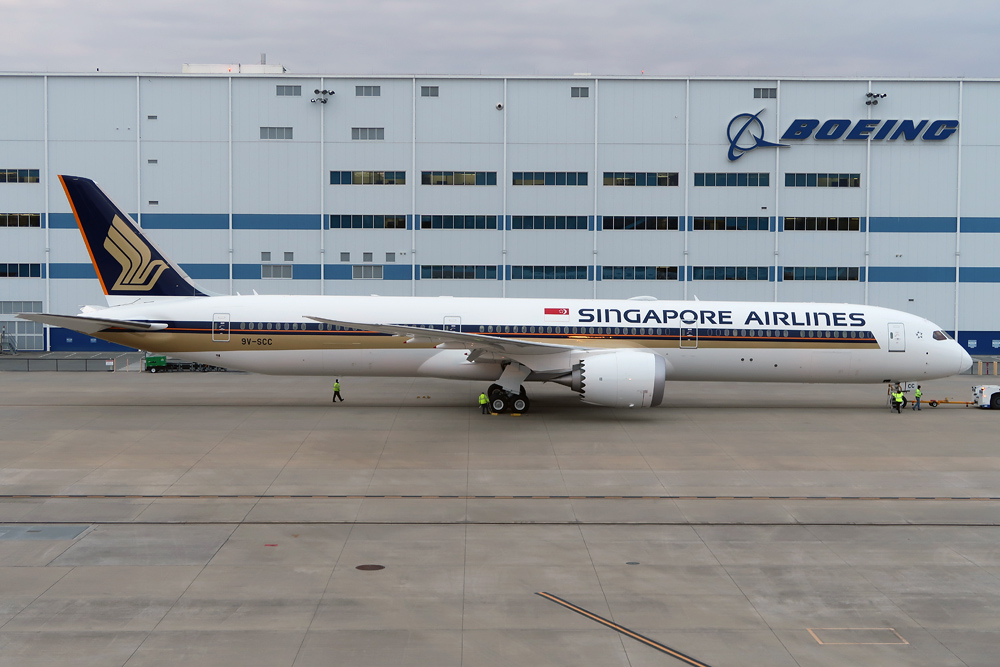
[(875, 191)]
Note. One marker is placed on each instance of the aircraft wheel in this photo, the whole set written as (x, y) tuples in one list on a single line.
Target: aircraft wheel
[(995, 402), (520, 404), (498, 404), (492, 390)]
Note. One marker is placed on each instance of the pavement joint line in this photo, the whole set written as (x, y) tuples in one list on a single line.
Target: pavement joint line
[(663, 648), (347, 522), (61, 496)]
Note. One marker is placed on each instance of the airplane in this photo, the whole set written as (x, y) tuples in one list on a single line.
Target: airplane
[(614, 353)]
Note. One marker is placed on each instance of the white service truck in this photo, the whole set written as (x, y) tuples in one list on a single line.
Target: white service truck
[(986, 396)]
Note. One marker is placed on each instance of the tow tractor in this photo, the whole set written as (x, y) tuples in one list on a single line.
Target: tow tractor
[(983, 396)]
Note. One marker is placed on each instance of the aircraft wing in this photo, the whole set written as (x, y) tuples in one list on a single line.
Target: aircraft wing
[(456, 338), (90, 325)]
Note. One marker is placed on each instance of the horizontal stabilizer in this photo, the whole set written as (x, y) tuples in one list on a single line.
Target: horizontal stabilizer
[(91, 325)]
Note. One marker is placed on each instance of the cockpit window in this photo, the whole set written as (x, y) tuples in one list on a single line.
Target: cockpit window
[(941, 335)]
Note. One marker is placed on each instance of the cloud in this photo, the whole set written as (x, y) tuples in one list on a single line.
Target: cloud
[(516, 37)]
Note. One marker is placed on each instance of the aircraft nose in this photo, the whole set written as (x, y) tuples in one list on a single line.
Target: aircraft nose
[(966, 360)]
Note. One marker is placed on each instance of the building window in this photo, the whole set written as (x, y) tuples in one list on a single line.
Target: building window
[(639, 273), (18, 176), (810, 224), (265, 256), (428, 91), (367, 221), (821, 273), (458, 222), (731, 223), (549, 222), (275, 133), (741, 179), (458, 178), (152, 161), (822, 180), (367, 272), (289, 91), (765, 93), (345, 257), (367, 133), (289, 256), (367, 91), (150, 117), (630, 178), (276, 271), (458, 272), (548, 273), (729, 273), (641, 222), (366, 257), (20, 270), (579, 91), (367, 178), (154, 202), (390, 257), (550, 178), (20, 219)]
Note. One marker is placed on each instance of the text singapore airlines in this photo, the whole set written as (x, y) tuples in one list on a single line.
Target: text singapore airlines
[(616, 353)]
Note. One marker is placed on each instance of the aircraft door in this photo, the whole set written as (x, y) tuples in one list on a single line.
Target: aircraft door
[(897, 337), (452, 323), (689, 336), (220, 328)]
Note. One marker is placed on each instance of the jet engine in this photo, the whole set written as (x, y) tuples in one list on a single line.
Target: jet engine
[(622, 379)]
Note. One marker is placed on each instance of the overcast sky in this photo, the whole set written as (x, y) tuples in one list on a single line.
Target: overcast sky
[(917, 38)]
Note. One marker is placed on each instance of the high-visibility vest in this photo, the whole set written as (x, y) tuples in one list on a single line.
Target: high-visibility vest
[(918, 393), (336, 386), (898, 397), (483, 400)]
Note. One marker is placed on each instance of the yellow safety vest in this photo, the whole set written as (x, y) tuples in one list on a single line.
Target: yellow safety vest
[(336, 386), (918, 393), (898, 397), (483, 400)]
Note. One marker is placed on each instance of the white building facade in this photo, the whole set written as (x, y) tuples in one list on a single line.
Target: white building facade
[(880, 191)]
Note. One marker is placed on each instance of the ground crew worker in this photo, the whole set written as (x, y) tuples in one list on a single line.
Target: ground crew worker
[(897, 401), (916, 395), (336, 391), (484, 402)]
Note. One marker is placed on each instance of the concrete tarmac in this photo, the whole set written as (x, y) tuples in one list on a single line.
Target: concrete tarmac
[(220, 518)]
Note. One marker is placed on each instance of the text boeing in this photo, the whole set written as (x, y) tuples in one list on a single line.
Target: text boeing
[(865, 129), (719, 317)]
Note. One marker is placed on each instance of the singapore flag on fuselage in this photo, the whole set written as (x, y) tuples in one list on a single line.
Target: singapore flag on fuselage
[(557, 314)]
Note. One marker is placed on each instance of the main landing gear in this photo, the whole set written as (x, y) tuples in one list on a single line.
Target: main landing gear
[(502, 400)]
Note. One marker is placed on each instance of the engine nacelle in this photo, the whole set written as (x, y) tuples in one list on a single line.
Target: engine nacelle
[(623, 379)]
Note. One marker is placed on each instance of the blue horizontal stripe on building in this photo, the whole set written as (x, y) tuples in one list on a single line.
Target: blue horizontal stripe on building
[(911, 274), (876, 274), (914, 225), (970, 225)]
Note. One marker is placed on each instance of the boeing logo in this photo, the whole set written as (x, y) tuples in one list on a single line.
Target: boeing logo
[(746, 131), (748, 124)]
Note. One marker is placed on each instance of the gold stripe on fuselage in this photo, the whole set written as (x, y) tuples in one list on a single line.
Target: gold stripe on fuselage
[(179, 340)]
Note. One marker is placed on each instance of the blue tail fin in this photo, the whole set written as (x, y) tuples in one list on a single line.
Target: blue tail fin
[(127, 263)]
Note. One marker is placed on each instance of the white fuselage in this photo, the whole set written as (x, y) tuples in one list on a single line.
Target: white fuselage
[(700, 340)]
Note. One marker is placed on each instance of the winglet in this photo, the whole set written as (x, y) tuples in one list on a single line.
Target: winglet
[(127, 263)]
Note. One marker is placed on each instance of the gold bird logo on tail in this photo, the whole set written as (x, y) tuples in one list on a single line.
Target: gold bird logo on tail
[(139, 273)]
